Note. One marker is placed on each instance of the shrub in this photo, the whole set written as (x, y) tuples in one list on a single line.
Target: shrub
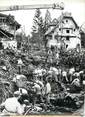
[(72, 59)]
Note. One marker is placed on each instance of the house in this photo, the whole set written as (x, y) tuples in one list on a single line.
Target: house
[(8, 27), (63, 33)]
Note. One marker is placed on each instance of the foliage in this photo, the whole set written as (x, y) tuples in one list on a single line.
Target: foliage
[(19, 40), (73, 59), (48, 20), (82, 38), (40, 27), (22, 42), (37, 29), (37, 21)]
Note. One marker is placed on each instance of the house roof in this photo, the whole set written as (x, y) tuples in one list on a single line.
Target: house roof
[(11, 20), (56, 22), (3, 15), (5, 33)]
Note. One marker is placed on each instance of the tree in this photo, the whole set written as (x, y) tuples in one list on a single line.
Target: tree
[(72, 58), (82, 28), (82, 33), (19, 40), (37, 29), (40, 27), (37, 21), (45, 27), (82, 39), (48, 20)]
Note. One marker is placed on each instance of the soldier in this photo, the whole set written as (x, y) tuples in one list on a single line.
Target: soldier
[(48, 91), (13, 106), (64, 76), (71, 72), (18, 84)]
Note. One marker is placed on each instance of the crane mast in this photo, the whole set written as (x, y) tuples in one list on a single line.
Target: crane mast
[(30, 7)]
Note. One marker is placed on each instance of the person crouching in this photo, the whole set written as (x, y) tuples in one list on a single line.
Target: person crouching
[(13, 106)]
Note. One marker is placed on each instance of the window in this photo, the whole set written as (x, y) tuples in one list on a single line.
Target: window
[(67, 38), (78, 45), (66, 46), (59, 29), (66, 20), (67, 31), (74, 29)]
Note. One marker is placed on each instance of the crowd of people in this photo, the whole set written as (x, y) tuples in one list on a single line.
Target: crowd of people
[(39, 89)]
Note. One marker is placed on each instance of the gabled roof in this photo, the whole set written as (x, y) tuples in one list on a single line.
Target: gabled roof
[(5, 34), (3, 15), (11, 20), (56, 22)]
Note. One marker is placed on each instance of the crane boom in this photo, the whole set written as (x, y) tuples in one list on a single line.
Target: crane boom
[(29, 7)]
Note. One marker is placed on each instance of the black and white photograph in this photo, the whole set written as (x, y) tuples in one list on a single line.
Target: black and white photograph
[(42, 57)]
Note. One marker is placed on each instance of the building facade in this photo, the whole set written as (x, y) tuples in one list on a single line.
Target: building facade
[(63, 33), (8, 27)]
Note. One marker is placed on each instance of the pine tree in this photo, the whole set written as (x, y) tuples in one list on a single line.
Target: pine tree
[(37, 29), (82, 28), (40, 27), (47, 19), (46, 23), (82, 33), (37, 21)]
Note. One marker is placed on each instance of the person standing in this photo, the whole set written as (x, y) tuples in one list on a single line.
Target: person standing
[(37, 90), (71, 72), (48, 91), (64, 77)]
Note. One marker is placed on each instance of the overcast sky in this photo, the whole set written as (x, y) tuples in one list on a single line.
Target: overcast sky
[(25, 18)]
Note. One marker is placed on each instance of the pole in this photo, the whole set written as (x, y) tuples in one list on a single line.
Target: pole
[(30, 7)]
